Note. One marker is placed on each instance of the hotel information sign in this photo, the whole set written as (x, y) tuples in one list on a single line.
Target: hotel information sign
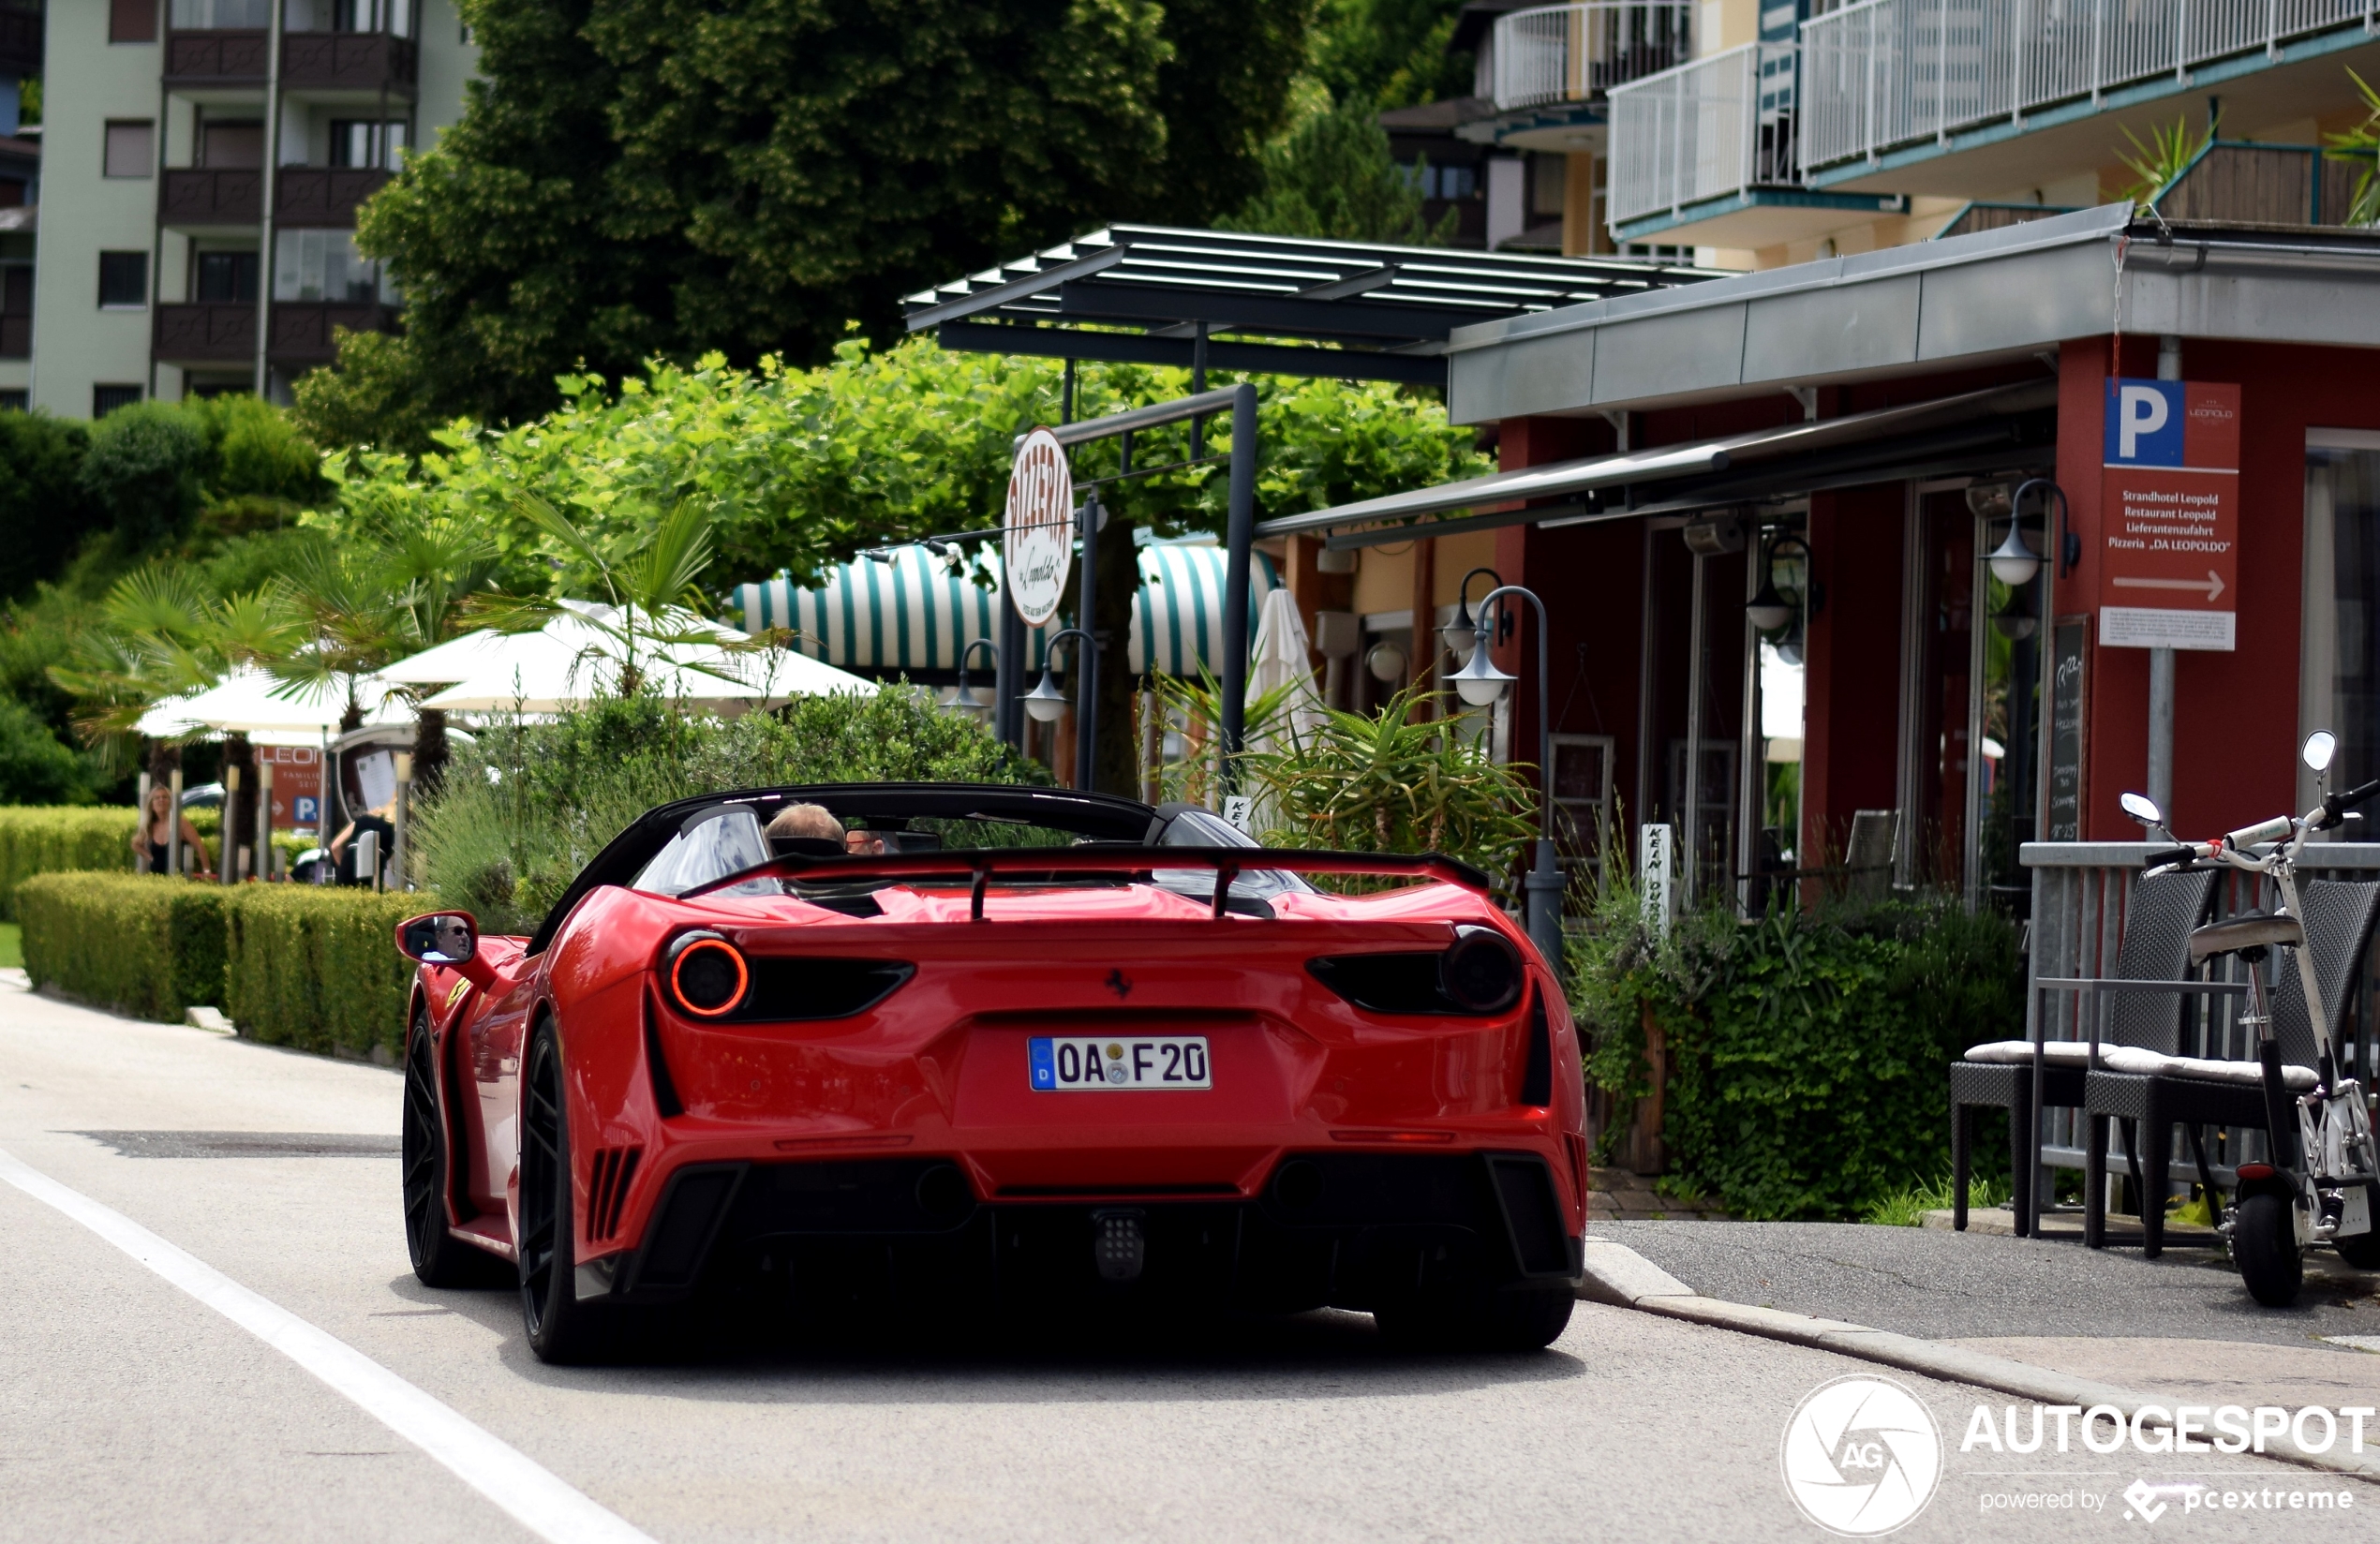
[(2169, 509)]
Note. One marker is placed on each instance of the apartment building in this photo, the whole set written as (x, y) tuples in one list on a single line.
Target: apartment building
[(203, 164), (1766, 133)]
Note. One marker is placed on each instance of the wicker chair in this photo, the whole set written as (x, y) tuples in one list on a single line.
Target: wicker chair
[(2339, 919), (2155, 954)]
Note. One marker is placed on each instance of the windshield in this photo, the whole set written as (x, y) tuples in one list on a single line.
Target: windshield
[(712, 844), (1204, 829)]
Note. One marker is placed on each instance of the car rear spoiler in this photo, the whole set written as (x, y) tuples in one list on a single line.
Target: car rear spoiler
[(979, 866)]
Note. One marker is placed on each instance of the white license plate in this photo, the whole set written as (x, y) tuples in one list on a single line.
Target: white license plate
[(1110, 1064)]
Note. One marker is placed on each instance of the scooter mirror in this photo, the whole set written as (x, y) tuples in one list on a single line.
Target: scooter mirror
[(2143, 808), (2320, 746)]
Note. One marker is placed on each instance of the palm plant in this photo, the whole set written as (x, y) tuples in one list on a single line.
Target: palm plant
[(2159, 163), (648, 576), (160, 635), (2360, 146)]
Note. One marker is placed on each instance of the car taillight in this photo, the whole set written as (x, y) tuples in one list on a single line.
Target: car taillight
[(1480, 970), (706, 974)]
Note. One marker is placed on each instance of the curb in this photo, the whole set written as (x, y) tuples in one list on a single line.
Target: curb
[(1619, 1276)]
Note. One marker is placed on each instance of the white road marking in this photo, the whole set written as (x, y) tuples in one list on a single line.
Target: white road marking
[(524, 1487)]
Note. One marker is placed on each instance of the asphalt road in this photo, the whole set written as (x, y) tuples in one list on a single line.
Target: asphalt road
[(1945, 1285), (132, 1409)]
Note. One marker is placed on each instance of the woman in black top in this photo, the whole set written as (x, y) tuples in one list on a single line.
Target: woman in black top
[(153, 837)]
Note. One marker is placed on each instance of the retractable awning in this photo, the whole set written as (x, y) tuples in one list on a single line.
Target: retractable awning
[(913, 614), (1699, 474)]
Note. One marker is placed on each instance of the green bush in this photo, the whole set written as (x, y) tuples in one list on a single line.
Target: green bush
[(48, 840), (1809, 1052), (522, 810), (317, 968), (143, 945)]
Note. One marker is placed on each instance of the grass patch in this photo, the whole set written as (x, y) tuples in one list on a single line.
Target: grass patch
[(1908, 1206)]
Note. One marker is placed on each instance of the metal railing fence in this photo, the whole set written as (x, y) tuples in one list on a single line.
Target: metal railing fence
[(1568, 53), (1887, 73), (1719, 125)]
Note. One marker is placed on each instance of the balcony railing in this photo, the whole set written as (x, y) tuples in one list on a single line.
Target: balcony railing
[(218, 58), (346, 60), (324, 196), (191, 195), (1720, 125), (309, 196), (224, 332), (1888, 73), (1569, 53)]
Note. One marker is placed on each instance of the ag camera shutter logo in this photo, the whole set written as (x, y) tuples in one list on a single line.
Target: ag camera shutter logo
[(1861, 1456)]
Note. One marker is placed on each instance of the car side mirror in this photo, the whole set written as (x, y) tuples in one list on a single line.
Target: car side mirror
[(444, 937)]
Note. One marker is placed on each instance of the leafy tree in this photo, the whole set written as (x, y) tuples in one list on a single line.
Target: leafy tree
[(1333, 176), (34, 768), (45, 513), (143, 470), (641, 177), (1392, 52)]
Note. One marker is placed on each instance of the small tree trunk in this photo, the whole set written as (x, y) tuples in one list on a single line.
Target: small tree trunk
[(1115, 761), (239, 808), (430, 753)]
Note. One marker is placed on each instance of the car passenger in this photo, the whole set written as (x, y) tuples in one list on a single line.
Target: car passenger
[(813, 821)]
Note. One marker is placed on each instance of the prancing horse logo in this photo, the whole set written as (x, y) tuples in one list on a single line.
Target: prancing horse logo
[(1119, 983)]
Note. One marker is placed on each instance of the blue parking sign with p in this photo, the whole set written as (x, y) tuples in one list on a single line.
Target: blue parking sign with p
[(2145, 422), (306, 810)]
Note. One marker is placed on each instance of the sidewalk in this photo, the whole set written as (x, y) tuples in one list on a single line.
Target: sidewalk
[(2180, 1327)]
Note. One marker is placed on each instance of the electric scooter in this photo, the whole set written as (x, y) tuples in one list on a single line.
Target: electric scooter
[(2326, 1192)]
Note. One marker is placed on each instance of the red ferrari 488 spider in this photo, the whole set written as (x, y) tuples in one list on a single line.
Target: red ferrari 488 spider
[(998, 1044)]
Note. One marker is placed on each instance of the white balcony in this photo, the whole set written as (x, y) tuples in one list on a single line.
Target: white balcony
[(1573, 53), (1912, 76)]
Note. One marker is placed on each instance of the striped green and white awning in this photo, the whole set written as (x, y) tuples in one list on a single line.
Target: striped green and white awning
[(913, 614)]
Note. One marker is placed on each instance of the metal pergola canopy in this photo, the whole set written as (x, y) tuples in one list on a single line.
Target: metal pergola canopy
[(1272, 304)]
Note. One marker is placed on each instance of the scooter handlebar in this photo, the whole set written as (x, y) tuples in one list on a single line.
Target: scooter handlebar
[(2176, 857)]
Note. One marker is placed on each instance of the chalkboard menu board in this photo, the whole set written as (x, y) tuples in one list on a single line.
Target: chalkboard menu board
[(2069, 646)]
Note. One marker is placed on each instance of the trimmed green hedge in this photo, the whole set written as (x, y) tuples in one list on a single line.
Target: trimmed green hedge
[(144, 944), (317, 968), (291, 964), (48, 839)]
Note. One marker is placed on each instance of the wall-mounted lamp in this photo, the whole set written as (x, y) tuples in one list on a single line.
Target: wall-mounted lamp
[(1774, 610), (969, 701), (1385, 662), (1045, 702)]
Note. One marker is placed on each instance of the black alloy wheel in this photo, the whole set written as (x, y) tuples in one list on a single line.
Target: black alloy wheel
[(439, 1258), (561, 1328), (2264, 1244)]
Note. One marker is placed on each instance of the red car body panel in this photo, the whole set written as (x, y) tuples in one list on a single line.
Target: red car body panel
[(938, 1067)]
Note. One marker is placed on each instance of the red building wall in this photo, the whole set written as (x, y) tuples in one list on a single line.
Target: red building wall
[(2235, 714), (1851, 684)]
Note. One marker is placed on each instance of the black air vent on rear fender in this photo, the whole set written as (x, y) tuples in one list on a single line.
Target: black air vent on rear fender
[(790, 988), (1390, 983), (1537, 1068)]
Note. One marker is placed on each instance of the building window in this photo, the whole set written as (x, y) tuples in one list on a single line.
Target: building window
[(225, 277), (228, 16), (1441, 182), (2339, 650), (324, 265), (107, 399), (235, 145), (131, 149), (16, 311), (132, 20), (124, 280), (361, 142), (14, 401), (1549, 186)]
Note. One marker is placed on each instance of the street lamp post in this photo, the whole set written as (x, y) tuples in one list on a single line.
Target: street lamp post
[(966, 703), (1480, 683), (1462, 636), (1045, 702)]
